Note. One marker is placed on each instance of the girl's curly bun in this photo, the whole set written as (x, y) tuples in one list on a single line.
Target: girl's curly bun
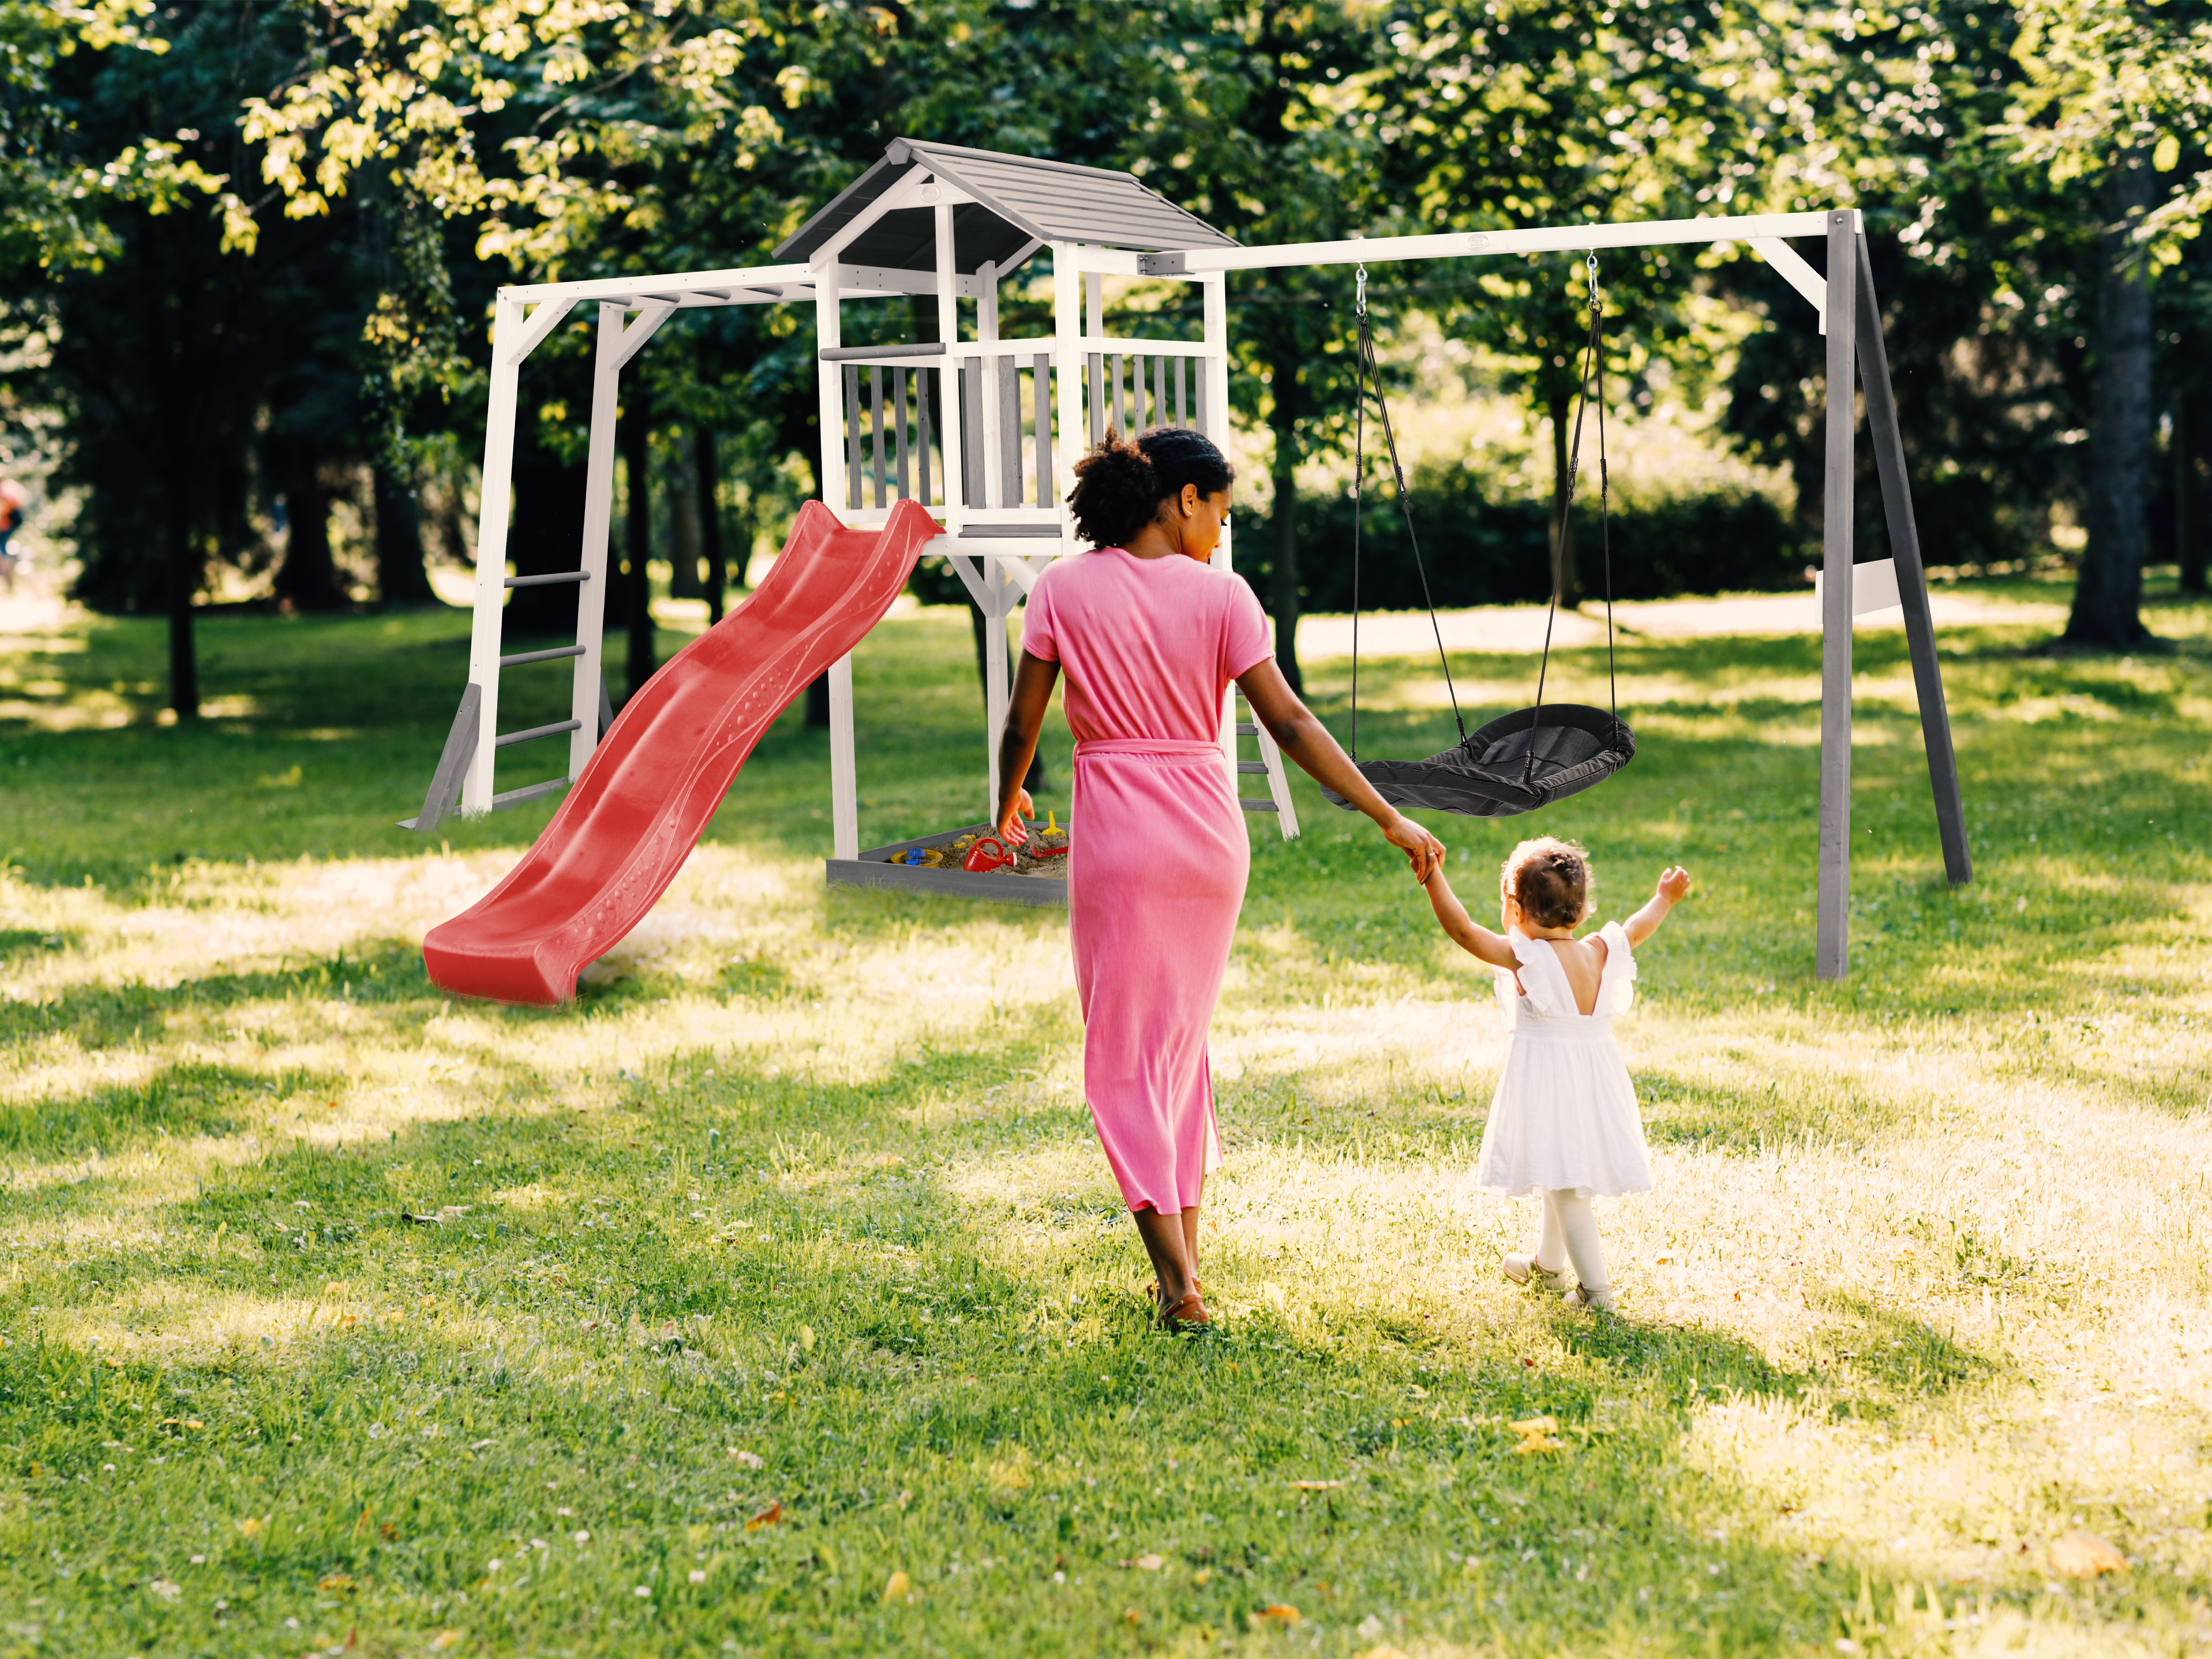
[(1120, 485), (1551, 880)]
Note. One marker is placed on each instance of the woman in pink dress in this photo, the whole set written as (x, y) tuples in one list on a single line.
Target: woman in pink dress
[(1150, 637)]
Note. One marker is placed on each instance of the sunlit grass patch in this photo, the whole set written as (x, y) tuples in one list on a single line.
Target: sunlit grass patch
[(782, 1266)]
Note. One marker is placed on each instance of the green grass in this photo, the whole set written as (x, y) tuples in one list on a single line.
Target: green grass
[(680, 1320)]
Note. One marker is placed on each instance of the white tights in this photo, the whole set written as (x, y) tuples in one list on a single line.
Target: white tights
[(1571, 1235)]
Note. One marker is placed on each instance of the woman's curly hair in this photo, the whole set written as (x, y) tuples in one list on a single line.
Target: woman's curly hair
[(1551, 879), (1120, 485)]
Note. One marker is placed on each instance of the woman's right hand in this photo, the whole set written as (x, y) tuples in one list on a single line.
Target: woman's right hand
[(1422, 850)]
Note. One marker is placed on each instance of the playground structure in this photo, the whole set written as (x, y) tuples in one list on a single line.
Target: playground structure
[(980, 434)]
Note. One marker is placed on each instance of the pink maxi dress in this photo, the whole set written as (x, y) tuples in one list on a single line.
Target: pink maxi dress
[(1158, 857)]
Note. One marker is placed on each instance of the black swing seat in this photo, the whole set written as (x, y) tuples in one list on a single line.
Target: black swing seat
[(1487, 774)]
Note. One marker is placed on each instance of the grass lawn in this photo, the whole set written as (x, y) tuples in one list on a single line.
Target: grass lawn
[(774, 1298)]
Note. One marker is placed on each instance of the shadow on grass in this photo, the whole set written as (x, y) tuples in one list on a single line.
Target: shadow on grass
[(1703, 1117), (190, 1098), (95, 1016)]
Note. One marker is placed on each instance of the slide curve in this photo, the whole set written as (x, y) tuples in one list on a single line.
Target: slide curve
[(645, 796)]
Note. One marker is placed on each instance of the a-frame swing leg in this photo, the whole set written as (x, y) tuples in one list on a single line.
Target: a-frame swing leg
[(1911, 578), (1832, 929)]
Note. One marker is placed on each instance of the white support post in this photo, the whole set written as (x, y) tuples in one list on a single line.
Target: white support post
[(494, 509), (1002, 592), (844, 780), (1832, 907), (829, 335), (598, 510), (1214, 293), (987, 333), (1067, 373), (948, 379)]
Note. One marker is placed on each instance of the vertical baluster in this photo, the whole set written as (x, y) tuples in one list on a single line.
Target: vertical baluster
[(921, 433), (1041, 391), (1009, 431), (972, 433), (1120, 421), (1198, 376), (852, 436), (898, 424), (1095, 382), (876, 425), (1182, 418), (1159, 391)]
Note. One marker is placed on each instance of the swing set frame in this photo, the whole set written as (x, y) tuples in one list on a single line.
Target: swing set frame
[(941, 220), (1851, 319)]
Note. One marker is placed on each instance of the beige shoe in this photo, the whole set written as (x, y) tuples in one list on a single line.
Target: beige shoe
[(1523, 1268), (1583, 1296)]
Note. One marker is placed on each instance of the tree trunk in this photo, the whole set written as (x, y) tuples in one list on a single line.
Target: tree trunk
[(818, 700), (1283, 591), (307, 579), (708, 474), (185, 572), (637, 539), (2108, 595), (400, 577), (682, 492), (1563, 524), (2189, 441), (2178, 447)]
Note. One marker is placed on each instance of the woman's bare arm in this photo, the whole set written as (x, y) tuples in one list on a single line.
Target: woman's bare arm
[(1470, 935), (1302, 736), (1025, 710)]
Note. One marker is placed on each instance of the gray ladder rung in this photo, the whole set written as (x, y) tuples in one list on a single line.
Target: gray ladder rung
[(1260, 767), (522, 657), (548, 582), (538, 732), (1251, 805), (531, 792), (1246, 729)]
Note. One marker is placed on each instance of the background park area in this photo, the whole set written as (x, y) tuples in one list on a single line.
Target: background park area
[(772, 1297)]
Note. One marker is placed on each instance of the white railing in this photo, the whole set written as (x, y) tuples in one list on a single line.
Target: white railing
[(893, 405)]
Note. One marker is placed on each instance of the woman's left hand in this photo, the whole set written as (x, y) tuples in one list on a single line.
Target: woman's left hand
[(1422, 850), (1010, 826)]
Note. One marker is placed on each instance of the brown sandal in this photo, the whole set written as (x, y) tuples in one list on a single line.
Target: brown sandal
[(1188, 1315)]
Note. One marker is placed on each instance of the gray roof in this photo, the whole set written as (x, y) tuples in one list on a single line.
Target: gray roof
[(1018, 200)]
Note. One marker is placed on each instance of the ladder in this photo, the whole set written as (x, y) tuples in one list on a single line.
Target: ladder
[(1269, 766), (463, 780)]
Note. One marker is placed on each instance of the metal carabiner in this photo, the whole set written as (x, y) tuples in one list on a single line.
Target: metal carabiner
[(1359, 294), (1592, 262)]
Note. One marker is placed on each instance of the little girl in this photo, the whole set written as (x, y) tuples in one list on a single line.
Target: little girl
[(1563, 1123)]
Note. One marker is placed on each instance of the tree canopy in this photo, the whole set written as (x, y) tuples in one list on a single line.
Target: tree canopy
[(248, 247)]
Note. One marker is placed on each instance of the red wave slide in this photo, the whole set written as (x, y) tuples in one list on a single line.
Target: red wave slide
[(645, 794)]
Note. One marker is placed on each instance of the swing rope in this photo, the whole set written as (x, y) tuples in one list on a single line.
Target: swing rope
[(1518, 762), (1364, 365), (1593, 365)]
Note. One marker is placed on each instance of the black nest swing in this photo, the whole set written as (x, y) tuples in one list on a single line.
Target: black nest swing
[(1535, 756)]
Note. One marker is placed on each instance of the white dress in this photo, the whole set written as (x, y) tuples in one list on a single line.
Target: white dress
[(1565, 1113)]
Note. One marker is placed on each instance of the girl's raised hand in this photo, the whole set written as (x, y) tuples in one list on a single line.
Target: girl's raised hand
[(1674, 884)]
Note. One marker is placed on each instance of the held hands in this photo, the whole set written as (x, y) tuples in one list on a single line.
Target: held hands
[(1423, 851), (1010, 825)]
